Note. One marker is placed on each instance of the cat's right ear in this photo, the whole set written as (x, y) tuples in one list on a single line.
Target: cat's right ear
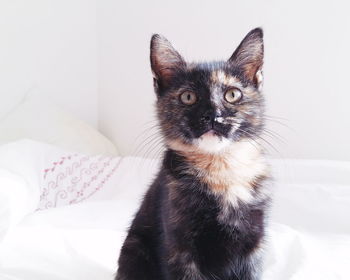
[(249, 56), (165, 62)]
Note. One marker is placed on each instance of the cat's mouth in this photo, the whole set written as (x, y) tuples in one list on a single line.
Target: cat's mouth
[(211, 133), (212, 141), (217, 129)]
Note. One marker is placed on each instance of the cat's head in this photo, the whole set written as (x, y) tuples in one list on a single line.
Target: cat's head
[(209, 106)]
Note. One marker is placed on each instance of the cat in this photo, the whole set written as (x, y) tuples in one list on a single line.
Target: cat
[(204, 216)]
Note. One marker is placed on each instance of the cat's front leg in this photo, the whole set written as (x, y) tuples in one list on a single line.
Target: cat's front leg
[(181, 266), (135, 261), (254, 264)]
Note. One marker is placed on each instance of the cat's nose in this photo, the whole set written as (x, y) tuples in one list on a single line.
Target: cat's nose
[(209, 117)]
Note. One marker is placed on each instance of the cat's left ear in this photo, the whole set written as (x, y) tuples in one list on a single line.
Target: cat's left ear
[(165, 61), (249, 57)]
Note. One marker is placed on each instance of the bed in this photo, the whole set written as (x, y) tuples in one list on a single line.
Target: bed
[(78, 235), (66, 204)]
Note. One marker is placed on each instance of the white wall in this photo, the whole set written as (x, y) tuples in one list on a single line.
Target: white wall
[(50, 45), (306, 70), (95, 63)]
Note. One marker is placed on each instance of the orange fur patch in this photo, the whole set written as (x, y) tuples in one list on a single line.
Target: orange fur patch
[(220, 77), (234, 169)]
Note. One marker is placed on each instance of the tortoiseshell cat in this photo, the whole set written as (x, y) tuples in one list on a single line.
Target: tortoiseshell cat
[(203, 217)]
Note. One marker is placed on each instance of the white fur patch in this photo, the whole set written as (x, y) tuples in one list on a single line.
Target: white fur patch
[(230, 168), (245, 163), (240, 192), (220, 119), (211, 143)]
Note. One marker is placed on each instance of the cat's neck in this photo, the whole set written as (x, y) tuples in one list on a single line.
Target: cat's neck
[(243, 152), (235, 168)]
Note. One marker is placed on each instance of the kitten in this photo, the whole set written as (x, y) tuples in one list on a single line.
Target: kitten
[(203, 217)]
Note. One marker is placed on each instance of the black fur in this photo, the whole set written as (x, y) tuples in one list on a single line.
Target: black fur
[(182, 230)]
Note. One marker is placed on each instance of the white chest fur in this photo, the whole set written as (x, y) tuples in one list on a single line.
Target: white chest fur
[(237, 169), (230, 172)]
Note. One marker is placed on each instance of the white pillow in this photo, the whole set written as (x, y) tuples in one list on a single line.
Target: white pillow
[(37, 119), (21, 165), (38, 176)]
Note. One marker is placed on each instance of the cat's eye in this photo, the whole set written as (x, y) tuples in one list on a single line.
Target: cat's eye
[(188, 97), (233, 95)]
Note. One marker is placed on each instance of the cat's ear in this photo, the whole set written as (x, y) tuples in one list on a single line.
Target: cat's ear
[(165, 61), (249, 56)]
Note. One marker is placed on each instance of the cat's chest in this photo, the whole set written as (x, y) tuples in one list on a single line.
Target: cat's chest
[(232, 177), (210, 216), (218, 240)]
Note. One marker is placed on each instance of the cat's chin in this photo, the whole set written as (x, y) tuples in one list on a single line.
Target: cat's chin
[(211, 142)]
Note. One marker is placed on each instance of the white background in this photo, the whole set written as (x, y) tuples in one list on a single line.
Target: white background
[(50, 46), (93, 58)]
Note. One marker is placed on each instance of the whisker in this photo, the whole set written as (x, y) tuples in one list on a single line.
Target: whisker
[(147, 129), (261, 138), (153, 129), (150, 146), (269, 119), (275, 117), (257, 147), (274, 135), (145, 142), (155, 144)]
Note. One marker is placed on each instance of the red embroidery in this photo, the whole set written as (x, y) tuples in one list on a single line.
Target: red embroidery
[(67, 182), (62, 160)]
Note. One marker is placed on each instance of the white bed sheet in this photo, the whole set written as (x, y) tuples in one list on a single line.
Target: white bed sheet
[(308, 237)]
